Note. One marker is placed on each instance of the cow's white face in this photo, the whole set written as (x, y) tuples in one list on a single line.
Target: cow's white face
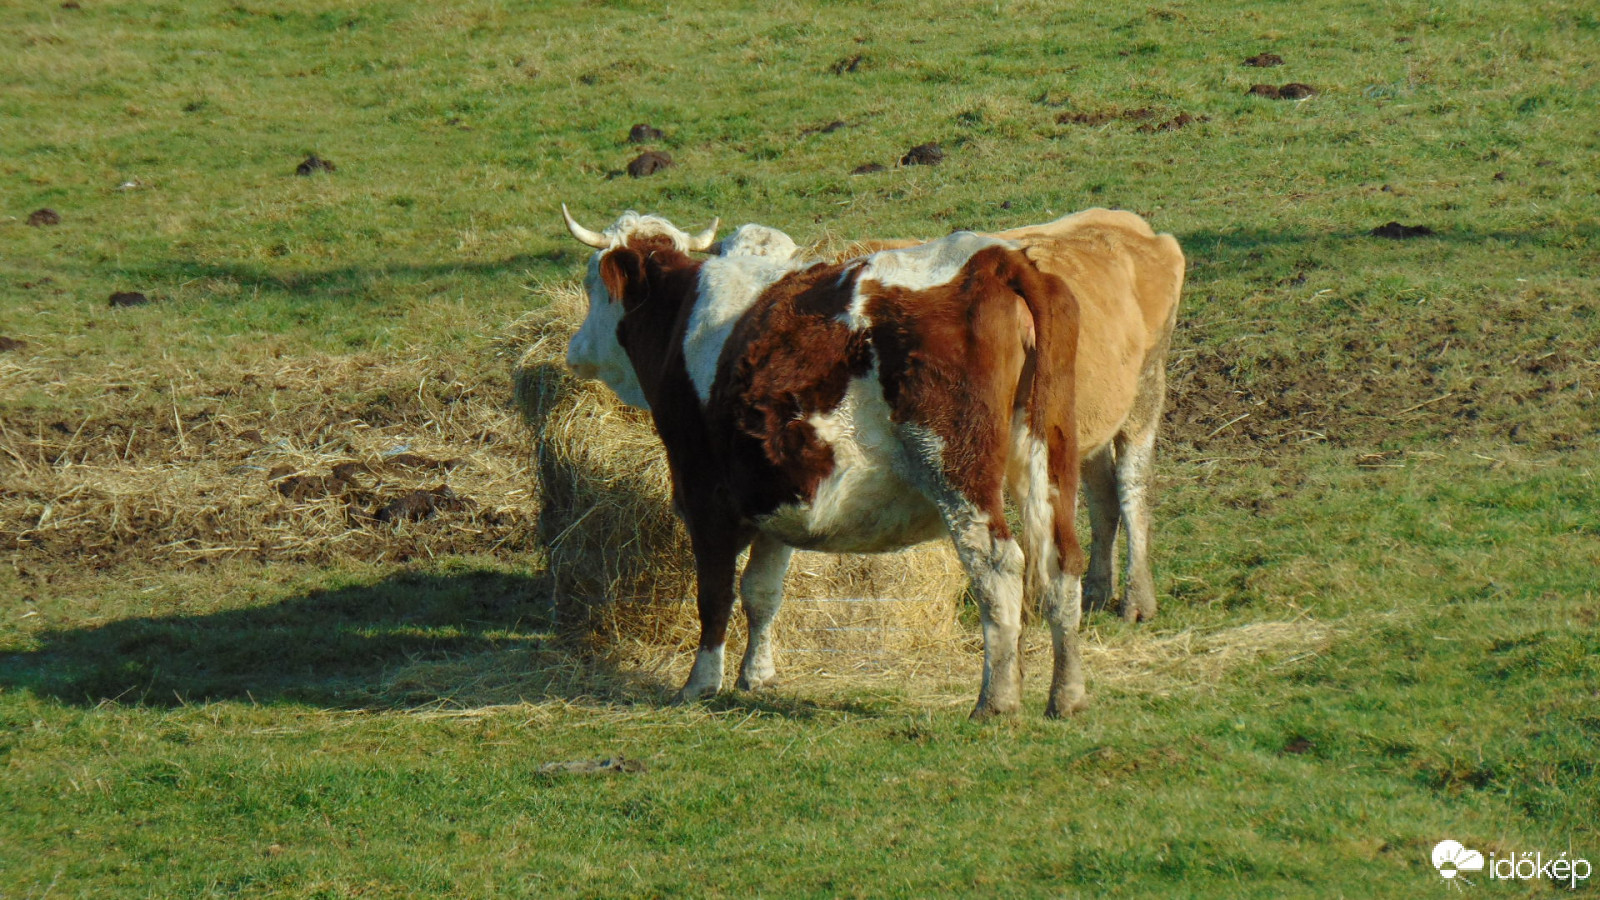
[(595, 352)]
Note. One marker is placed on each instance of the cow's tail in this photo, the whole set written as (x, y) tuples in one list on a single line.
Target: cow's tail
[(1046, 441), (1046, 432)]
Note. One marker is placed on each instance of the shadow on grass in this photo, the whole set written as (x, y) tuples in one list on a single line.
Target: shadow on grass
[(352, 647), (414, 639)]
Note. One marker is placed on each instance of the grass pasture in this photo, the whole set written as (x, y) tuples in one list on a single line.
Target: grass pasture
[(275, 612)]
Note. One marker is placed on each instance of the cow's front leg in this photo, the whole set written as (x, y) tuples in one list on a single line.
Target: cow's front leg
[(761, 591), (716, 557)]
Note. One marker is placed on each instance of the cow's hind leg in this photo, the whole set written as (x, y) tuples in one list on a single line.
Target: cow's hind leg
[(1105, 515), (761, 592), (993, 562), (1135, 463), (974, 515), (1054, 561)]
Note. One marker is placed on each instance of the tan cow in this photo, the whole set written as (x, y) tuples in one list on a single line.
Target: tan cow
[(1126, 280)]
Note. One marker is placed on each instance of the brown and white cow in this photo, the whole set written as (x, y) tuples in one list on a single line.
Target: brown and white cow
[(1126, 279), (859, 406)]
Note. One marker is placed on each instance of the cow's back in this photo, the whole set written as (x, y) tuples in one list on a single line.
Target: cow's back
[(1126, 279)]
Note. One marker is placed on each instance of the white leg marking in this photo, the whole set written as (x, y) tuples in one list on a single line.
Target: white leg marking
[(761, 592), (995, 567), (705, 679), (1057, 593), (1135, 460)]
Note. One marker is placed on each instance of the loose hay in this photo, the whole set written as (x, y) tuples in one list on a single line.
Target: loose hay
[(276, 459), (620, 565)]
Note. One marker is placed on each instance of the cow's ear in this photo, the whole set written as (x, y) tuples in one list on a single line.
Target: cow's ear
[(622, 271)]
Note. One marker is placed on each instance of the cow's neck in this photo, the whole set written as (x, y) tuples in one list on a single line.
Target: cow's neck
[(652, 329)]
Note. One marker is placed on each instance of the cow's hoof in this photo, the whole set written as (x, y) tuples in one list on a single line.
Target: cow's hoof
[(749, 682), (1097, 594), (1138, 611), (1066, 703), (691, 694), (983, 712)]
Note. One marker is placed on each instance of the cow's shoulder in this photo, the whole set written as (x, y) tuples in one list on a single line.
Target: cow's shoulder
[(729, 287)]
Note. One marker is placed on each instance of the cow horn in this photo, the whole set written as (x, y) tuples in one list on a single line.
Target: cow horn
[(592, 238), (702, 241)]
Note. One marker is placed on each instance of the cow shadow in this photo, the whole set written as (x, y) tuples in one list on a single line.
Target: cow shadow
[(410, 639), (414, 639)]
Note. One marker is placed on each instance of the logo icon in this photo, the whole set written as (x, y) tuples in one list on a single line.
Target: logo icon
[(1451, 859)]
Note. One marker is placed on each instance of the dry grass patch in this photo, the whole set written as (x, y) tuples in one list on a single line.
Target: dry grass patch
[(296, 458)]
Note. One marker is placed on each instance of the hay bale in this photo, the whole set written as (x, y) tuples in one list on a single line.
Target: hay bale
[(620, 567)]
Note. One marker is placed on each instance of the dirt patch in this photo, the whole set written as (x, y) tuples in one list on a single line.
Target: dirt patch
[(291, 459), (1441, 377), (127, 298), (648, 163), (314, 164), (929, 154), (415, 506), (1397, 232), (8, 344), (644, 133), (1294, 90), (1102, 116), (829, 128), (417, 461), (848, 64), (1264, 60), (1173, 124), (46, 216), (869, 168)]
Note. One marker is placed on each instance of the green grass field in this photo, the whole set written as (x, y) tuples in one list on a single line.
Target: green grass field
[(1378, 533)]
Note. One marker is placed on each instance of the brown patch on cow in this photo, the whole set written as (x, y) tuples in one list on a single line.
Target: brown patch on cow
[(1102, 116), (848, 64), (643, 133), (795, 360), (1397, 232), (869, 168), (127, 298), (7, 344), (648, 163), (418, 505), (951, 360), (1264, 60), (1173, 124), (45, 216), (314, 164), (929, 154)]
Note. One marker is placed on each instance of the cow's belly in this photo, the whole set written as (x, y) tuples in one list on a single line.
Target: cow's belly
[(868, 503)]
